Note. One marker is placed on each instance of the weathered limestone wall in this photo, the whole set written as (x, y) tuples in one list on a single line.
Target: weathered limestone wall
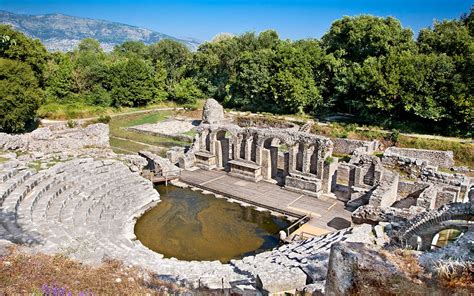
[(373, 214), (412, 189), (385, 194), (348, 146), (45, 140), (159, 165), (434, 157)]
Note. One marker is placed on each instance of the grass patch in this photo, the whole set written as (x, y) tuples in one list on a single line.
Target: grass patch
[(80, 110), (342, 157), (120, 146), (132, 120), (463, 152), (70, 111), (3, 159), (190, 133), (24, 274), (118, 123), (35, 165)]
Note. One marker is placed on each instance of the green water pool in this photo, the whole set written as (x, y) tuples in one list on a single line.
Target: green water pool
[(190, 225)]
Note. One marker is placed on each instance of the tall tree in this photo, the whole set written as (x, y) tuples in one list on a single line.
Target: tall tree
[(19, 95), (134, 83), (357, 38), (25, 49), (174, 55)]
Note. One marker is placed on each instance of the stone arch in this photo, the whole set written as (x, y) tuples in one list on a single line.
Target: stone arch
[(274, 158), (426, 225), (425, 239), (223, 140), (445, 236)]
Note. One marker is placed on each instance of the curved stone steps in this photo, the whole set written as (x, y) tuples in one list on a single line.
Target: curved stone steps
[(11, 184), (71, 228), (7, 172), (12, 201)]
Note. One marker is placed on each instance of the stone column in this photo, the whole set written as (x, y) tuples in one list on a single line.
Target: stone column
[(204, 140), (265, 163), (426, 241), (320, 165), (212, 143), (218, 153), (329, 176), (237, 147), (273, 160), (292, 153), (248, 148), (307, 153)]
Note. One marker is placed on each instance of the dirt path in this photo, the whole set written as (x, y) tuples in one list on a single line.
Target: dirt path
[(424, 136), (46, 122)]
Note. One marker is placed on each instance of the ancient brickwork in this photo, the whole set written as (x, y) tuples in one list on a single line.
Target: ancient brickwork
[(253, 154), (433, 157), (348, 146), (45, 140)]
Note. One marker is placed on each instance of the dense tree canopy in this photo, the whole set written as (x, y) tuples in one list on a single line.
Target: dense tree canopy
[(357, 38), (368, 66), (19, 95)]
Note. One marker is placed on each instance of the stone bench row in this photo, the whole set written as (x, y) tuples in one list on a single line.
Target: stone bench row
[(11, 184), (76, 207), (14, 199)]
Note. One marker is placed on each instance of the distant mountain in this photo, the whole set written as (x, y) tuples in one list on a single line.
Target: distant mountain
[(63, 32)]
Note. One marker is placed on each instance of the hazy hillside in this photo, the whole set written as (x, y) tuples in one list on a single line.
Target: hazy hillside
[(63, 32)]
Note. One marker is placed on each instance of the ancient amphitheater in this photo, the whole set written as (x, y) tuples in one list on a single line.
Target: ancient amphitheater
[(84, 200)]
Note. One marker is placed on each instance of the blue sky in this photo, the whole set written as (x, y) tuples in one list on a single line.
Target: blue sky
[(204, 19)]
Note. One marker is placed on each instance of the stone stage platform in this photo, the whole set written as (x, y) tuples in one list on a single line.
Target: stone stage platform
[(326, 214)]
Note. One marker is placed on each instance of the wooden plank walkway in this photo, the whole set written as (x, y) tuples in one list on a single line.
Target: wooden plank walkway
[(328, 215)]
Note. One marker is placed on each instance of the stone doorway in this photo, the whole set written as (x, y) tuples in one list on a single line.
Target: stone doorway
[(275, 160)]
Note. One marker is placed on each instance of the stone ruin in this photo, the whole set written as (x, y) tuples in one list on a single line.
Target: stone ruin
[(213, 112), (396, 187), (303, 162), (254, 154), (48, 140), (84, 205)]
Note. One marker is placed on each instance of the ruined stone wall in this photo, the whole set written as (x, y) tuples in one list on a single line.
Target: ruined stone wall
[(348, 146), (343, 174), (434, 157), (412, 189), (444, 197), (45, 140), (373, 214), (434, 176), (385, 194)]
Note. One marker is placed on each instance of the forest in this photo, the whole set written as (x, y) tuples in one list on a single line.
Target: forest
[(367, 66)]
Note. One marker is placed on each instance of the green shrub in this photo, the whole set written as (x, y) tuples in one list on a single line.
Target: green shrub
[(71, 123), (394, 136), (104, 119), (328, 160)]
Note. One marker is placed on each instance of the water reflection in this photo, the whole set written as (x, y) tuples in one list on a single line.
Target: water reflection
[(189, 225)]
